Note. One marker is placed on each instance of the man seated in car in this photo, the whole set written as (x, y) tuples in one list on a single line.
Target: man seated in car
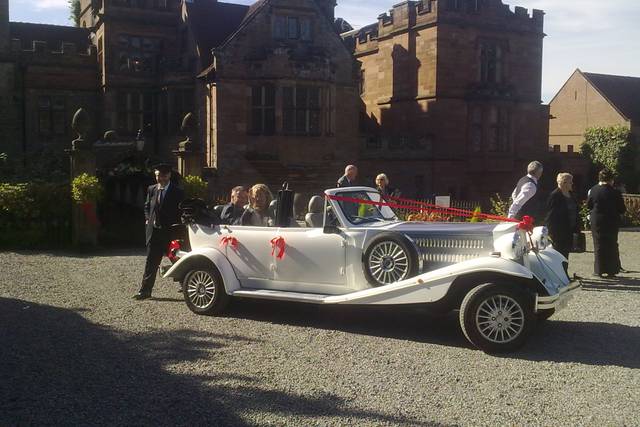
[(231, 212), (257, 214)]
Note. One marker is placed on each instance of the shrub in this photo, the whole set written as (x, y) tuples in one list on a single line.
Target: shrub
[(632, 215), (476, 215), (34, 215), (428, 217), (500, 206), (194, 187), (86, 189), (584, 215), (612, 148)]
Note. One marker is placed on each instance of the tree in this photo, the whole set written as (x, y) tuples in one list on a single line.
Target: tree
[(74, 11), (612, 148)]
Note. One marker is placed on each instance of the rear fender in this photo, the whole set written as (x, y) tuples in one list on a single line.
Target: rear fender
[(210, 256)]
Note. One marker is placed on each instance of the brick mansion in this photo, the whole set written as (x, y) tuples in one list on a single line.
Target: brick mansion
[(442, 95)]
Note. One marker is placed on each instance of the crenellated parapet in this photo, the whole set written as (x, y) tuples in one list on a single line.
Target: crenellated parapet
[(414, 14), (40, 52)]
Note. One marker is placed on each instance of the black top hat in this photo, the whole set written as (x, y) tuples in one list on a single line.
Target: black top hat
[(163, 168)]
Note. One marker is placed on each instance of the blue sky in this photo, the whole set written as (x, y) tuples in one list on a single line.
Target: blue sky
[(600, 36)]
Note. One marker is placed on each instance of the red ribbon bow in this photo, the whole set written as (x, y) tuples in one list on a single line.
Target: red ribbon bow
[(526, 224), (278, 243), (229, 240)]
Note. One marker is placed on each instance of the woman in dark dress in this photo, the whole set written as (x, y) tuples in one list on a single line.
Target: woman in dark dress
[(606, 205), (562, 218)]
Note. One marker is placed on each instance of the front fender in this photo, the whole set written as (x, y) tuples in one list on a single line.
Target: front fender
[(212, 255), (434, 286)]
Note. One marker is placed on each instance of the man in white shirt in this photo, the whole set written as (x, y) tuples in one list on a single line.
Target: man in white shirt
[(525, 195)]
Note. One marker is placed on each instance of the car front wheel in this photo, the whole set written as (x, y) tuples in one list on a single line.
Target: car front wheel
[(497, 318), (204, 291)]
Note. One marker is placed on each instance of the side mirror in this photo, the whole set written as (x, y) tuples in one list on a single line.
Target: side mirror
[(331, 229)]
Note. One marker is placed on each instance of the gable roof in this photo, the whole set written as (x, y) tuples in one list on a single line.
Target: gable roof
[(621, 91), (212, 22), (53, 35)]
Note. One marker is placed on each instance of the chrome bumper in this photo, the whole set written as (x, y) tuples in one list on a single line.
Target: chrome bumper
[(561, 299)]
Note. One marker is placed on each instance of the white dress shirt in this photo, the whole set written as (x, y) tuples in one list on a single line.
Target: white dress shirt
[(527, 191)]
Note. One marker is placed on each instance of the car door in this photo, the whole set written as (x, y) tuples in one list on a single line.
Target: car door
[(313, 262), (251, 257)]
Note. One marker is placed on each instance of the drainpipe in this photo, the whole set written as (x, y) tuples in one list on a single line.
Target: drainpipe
[(23, 89)]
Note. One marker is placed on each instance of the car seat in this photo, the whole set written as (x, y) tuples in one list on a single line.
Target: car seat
[(316, 212), (217, 210)]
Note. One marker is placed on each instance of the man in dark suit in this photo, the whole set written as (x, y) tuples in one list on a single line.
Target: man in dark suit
[(233, 211), (349, 177), (160, 212)]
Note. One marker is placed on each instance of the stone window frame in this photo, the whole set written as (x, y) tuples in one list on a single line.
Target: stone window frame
[(134, 111), (146, 51), (263, 110), (310, 119), (492, 61), (490, 128), (52, 115), (292, 28)]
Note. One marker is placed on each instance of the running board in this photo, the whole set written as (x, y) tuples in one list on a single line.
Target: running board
[(281, 295)]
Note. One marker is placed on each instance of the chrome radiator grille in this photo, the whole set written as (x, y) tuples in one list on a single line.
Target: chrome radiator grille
[(441, 251)]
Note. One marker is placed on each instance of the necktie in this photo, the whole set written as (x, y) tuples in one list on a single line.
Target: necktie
[(156, 210)]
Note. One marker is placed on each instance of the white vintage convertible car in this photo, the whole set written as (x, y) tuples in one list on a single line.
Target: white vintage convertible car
[(500, 278)]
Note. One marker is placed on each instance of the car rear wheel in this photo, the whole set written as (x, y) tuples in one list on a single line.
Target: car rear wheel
[(390, 258), (497, 318), (204, 291)]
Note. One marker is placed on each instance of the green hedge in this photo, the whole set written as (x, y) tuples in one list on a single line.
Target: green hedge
[(34, 215)]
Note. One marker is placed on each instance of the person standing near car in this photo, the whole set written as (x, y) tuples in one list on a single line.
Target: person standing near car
[(606, 207), (562, 217), (526, 197), (161, 211), (383, 187), (349, 177)]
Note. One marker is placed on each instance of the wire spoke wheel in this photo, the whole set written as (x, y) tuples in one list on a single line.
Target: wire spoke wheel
[(388, 262), (201, 289), (500, 319)]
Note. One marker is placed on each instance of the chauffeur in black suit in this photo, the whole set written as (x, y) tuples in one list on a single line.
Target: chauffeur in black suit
[(160, 212)]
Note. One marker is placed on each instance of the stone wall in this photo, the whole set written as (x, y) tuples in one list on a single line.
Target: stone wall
[(33, 79), (422, 79), (254, 58)]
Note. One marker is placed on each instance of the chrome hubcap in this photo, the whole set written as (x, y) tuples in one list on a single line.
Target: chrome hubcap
[(201, 289), (388, 263), (500, 319)]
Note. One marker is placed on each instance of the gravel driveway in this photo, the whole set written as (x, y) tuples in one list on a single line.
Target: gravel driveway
[(75, 349)]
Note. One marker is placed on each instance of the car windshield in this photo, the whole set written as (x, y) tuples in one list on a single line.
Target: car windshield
[(360, 213)]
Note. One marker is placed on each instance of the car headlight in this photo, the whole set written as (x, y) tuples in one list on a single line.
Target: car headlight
[(540, 237)]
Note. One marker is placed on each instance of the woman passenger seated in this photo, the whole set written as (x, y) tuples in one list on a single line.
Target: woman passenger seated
[(257, 214)]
